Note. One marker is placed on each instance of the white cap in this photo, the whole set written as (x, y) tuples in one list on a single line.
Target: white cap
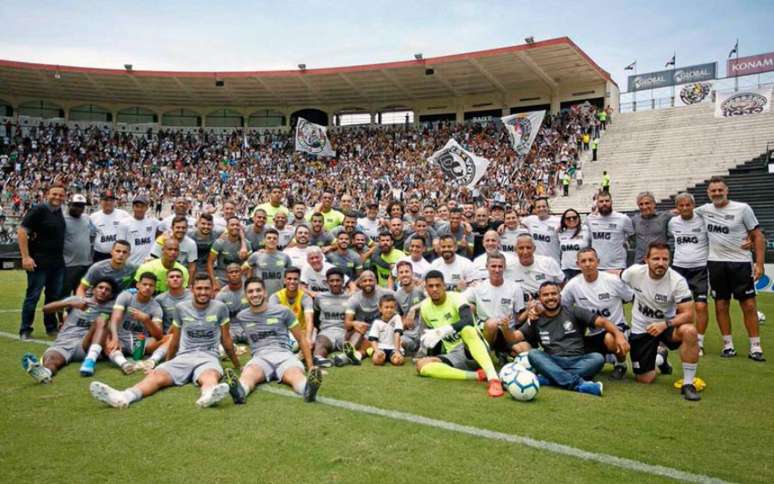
[(78, 198)]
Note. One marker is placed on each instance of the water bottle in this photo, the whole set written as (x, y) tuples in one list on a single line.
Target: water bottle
[(138, 346)]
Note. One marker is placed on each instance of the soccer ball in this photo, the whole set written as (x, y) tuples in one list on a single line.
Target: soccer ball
[(761, 317), (525, 386), (523, 361), (522, 384)]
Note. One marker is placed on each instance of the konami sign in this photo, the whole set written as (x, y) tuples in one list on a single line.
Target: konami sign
[(754, 64)]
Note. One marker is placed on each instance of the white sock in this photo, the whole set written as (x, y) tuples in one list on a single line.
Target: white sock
[(159, 354), (728, 341), (659, 359), (246, 388), (118, 358), (701, 340), (300, 386), (755, 344), (689, 372), (94, 351), (132, 394)]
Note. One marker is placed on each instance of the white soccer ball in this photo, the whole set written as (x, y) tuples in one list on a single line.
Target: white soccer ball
[(524, 386), (508, 373), (523, 361), (761, 317)]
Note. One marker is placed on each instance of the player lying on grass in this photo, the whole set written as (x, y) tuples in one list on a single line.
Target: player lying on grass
[(266, 328), (563, 361), (662, 313), (463, 353), (385, 333), (135, 314), (80, 336), (199, 325)]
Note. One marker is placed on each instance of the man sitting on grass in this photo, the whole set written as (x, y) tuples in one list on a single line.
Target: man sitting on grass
[(198, 327), (80, 336)]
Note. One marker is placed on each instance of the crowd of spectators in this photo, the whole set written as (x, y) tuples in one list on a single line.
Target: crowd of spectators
[(371, 163)]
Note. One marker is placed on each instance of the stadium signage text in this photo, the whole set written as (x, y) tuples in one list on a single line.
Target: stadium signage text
[(672, 77), (754, 64)]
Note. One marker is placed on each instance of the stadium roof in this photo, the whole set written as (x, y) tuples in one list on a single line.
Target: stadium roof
[(547, 64)]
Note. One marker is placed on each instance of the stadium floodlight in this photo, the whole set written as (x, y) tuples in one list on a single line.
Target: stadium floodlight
[(418, 56), (128, 67), (529, 40), (302, 67), (57, 75)]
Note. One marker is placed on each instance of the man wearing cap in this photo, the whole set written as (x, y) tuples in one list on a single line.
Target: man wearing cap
[(139, 230), (106, 221), (41, 243), (79, 234)]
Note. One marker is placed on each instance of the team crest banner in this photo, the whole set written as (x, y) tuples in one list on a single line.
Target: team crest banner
[(693, 93), (459, 164), (743, 102), (523, 128), (313, 139)]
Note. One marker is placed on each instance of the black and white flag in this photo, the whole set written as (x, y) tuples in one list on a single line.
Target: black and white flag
[(522, 129), (313, 139), (460, 165)]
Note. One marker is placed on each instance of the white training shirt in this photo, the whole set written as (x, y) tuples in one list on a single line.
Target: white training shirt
[(691, 242), (188, 251), (727, 229), (141, 235), (508, 238), (605, 296), (507, 299), (569, 246), (608, 237), (544, 234), (369, 227), (384, 332), (531, 277), (461, 269), (655, 300), (314, 280), (107, 228), (297, 255)]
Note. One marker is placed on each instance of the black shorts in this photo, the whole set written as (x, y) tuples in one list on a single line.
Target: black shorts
[(731, 279), (644, 348), (595, 343), (698, 281)]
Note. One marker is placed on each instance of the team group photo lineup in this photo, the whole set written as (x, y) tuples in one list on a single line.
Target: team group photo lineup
[(478, 224)]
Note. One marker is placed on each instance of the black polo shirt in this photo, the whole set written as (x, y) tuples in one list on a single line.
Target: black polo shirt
[(561, 335), (46, 229)]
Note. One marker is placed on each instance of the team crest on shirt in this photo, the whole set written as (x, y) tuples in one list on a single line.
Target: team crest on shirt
[(661, 298), (447, 316), (604, 296), (568, 327)]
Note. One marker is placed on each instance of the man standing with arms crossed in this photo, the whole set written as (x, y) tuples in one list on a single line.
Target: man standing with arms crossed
[(731, 270)]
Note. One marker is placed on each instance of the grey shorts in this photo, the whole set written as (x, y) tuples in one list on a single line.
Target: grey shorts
[(459, 358), (188, 367), (69, 349), (274, 364), (337, 337)]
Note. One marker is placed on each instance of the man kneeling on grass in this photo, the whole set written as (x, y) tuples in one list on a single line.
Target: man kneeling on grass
[(563, 361), (463, 353), (81, 335), (199, 325), (266, 327)]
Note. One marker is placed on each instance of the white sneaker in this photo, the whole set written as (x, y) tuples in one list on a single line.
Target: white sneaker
[(213, 395), (108, 395)]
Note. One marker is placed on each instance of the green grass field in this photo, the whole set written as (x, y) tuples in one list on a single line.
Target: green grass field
[(59, 433)]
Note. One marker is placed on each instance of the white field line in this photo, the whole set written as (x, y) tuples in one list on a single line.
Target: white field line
[(554, 448)]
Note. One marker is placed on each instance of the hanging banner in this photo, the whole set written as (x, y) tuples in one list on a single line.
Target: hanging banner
[(313, 139), (673, 77), (741, 103), (460, 165), (693, 93), (522, 129), (753, 64)]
